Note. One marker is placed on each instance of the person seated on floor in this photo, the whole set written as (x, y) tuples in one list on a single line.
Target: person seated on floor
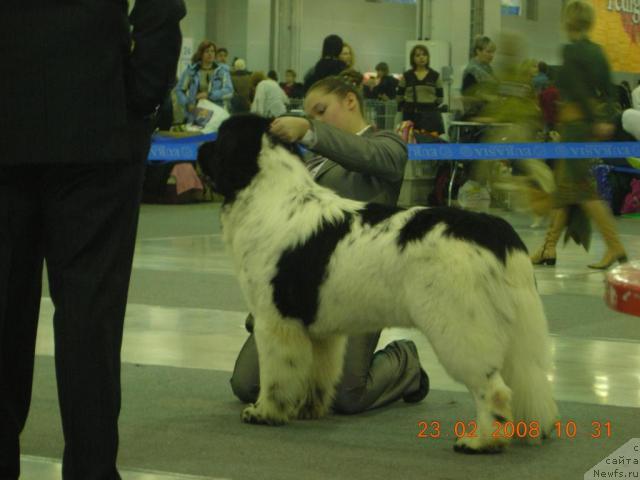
[(350, 157), (204, 79)]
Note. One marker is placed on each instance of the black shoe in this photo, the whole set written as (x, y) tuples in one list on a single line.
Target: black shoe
[(423, 390)]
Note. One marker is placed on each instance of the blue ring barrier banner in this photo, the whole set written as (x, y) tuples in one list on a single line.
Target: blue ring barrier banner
[(500, 151), (168, 149)]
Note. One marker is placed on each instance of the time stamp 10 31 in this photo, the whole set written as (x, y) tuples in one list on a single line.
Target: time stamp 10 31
[(531, 430)]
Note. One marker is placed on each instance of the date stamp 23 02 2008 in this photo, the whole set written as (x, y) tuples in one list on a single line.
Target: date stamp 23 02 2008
[(526, 430)]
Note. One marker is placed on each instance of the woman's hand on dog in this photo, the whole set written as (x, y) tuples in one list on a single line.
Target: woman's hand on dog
[(290, 129)]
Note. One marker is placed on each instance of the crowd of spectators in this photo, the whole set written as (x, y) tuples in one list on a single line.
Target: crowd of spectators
[(517, 90)]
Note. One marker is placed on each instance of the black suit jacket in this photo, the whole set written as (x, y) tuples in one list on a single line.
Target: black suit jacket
[(77, 79)]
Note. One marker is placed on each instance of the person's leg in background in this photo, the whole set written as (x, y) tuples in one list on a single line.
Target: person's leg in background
[(599, 213), (20, 291), (371, 380), (546, 254)]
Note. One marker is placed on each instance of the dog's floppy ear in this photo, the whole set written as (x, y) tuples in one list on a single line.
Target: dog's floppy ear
[(231, 162), (291, 147)]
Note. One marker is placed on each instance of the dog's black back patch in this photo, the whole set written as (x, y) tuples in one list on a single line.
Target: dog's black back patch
[(302, 270), (374, 213), (488, 231)]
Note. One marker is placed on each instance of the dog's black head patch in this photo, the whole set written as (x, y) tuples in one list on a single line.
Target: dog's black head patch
[(231, 161)]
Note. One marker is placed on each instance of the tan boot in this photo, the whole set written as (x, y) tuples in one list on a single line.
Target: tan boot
[(600, 214), (546, 254)]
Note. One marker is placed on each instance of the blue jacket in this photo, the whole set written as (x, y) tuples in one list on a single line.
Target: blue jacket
[(220, 88)]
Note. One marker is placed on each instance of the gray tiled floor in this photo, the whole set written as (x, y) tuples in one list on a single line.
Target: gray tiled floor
[(38, 468), (208, 333)]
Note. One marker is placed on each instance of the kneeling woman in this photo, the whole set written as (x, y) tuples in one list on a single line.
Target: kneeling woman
[(357, 162)]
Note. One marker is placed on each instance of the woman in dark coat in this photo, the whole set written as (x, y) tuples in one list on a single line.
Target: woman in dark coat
[(587, 93), (329, 64)]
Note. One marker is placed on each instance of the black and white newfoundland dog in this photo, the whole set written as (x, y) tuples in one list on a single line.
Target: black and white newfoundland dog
[(315, 267)]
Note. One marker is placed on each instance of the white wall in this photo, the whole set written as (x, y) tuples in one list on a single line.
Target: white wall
[(243, 28), (493, 18), (258, 34), (376, 31), (544, 36), (450, 22), (193, 25), (226, 26)]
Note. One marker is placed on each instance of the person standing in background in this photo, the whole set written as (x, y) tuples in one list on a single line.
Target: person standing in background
[(329, 63), (72, 155), (479, 83), (420, 92), (347, 55), (586, 115), (540, 80), (350, 73)]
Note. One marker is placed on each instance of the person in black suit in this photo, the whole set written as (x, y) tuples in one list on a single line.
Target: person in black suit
[(76, 124)]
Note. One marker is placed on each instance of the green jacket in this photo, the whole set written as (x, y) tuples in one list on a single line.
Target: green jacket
[(585, 80)]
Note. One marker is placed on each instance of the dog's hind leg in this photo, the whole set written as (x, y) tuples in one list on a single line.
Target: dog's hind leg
[(470, 346), (285, 359), (328, 358), (529, 359), (493, 405)]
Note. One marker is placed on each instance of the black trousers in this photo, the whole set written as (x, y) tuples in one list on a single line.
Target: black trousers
[(82, 221)]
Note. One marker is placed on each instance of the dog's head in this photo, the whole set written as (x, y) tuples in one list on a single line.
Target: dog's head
[(231, 161)]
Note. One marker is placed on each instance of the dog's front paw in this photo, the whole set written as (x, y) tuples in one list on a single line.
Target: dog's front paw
[(478, 445), (255, 415)]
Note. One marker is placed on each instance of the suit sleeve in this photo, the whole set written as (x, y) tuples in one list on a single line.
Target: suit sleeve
[(156, 48), (382, 155)]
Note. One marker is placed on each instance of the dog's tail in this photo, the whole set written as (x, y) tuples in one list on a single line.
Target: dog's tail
[(528, 357)]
